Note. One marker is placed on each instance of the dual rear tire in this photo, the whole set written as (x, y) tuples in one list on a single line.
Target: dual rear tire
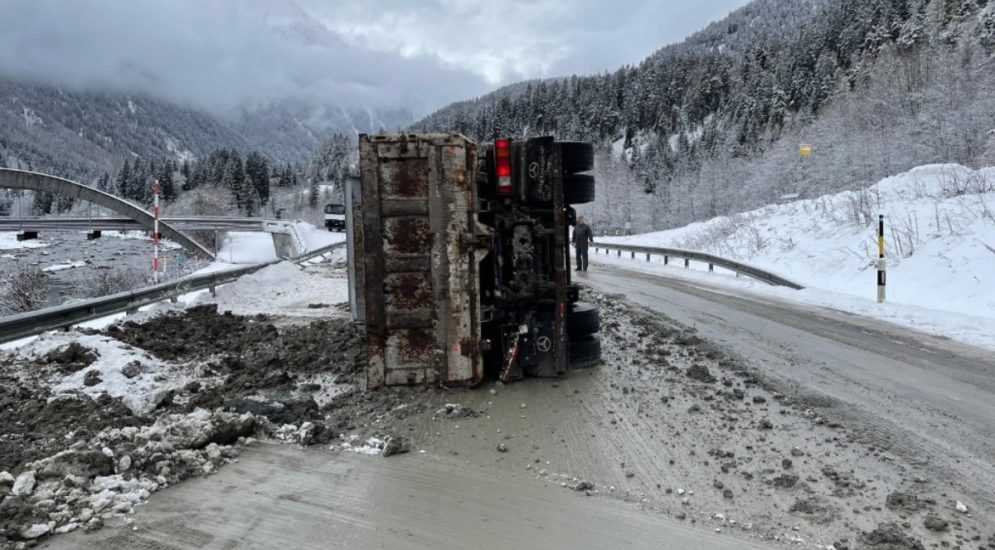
[(577, 157), (583, 326)]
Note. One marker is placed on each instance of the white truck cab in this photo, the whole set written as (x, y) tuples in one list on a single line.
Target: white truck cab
[(335, 217)]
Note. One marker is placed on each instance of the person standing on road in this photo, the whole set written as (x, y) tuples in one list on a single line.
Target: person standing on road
[(583, 237)]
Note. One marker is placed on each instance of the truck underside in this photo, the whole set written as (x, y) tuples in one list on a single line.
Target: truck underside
[(463, 265)]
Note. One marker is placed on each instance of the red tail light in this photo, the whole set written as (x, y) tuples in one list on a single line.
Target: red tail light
[(502, 157)]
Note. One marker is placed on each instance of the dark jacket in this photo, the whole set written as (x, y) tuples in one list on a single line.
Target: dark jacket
[(583, 235)]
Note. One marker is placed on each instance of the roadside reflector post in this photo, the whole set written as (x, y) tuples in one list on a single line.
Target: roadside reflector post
[(711, 268), (882, 266), (647, 256), (687, 263), (666, 260), (619, 253), (633, 255), (155, 231)]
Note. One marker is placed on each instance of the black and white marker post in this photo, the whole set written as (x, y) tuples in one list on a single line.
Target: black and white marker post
[(881, 261)]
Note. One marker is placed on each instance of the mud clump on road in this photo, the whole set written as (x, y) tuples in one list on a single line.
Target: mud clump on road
[(249, 343), (815, 509), (249, 353), (906, 502), (700, 373), (107, 474), (71, 357), (34, 425), (889, 536), (74, 459)]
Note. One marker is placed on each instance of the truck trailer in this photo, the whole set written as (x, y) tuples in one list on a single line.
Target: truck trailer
[(460, 258)]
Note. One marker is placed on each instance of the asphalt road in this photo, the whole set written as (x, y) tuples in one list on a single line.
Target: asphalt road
[(923, 397), (281, 496)]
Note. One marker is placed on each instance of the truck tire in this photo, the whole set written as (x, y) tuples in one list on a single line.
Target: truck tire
[(577, 156), (585, 352), (578, 189), (583, 320)]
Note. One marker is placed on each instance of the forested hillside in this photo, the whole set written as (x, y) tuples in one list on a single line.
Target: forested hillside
[(82, 135), (713, 125)]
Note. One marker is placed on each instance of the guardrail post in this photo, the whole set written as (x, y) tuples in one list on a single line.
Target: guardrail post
[(619, 253), (647, 256), (666, 260), (633, 255), (711, 268), (213, 290), (687, 263), (174, 299)]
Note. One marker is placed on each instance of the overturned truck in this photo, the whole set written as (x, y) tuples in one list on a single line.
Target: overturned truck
[(460, 258)]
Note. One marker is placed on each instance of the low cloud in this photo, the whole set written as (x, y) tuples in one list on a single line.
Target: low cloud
[(417, 55)]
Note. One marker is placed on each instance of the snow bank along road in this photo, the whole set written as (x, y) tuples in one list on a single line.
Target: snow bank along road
[(924, 397)]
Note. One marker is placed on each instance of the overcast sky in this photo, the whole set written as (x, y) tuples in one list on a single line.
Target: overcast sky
[(414, 54)]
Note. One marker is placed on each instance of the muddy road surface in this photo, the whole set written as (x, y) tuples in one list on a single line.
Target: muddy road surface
[(705, 427), (924, 399), (279, 496)]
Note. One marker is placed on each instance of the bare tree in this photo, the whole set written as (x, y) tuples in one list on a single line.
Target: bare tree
[(23, 290), (111, 281)]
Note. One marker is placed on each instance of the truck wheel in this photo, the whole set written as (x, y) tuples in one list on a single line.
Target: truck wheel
[(577, 156), (578, 189), (585, 352), (583, 320)]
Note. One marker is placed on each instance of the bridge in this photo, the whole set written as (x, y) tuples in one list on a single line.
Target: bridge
[(34, 181)]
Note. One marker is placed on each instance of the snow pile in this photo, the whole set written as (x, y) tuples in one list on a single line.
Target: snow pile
[(285, 289), (247, 247), (8, 241), (373, 446), (118, 469), (940, 239), (119, 370), (65, 266)]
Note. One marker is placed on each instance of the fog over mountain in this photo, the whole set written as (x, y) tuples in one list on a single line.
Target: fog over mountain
[(228, 55)]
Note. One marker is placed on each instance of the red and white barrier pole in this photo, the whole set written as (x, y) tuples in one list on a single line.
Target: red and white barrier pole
[(155, 231)]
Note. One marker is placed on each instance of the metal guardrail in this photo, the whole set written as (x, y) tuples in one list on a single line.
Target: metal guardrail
[(66, 315), (128, 224), (690, 255)]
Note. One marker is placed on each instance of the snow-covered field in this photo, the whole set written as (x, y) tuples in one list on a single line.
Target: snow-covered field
[(8, 241), (940, 243)]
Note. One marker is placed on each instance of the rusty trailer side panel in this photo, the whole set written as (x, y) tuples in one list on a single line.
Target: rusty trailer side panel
[(419, 269)]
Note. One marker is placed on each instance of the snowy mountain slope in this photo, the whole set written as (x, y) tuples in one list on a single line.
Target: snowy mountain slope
[(940, 239), (75, 133)]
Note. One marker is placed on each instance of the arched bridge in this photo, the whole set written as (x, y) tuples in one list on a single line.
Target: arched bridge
[(33, 181)]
